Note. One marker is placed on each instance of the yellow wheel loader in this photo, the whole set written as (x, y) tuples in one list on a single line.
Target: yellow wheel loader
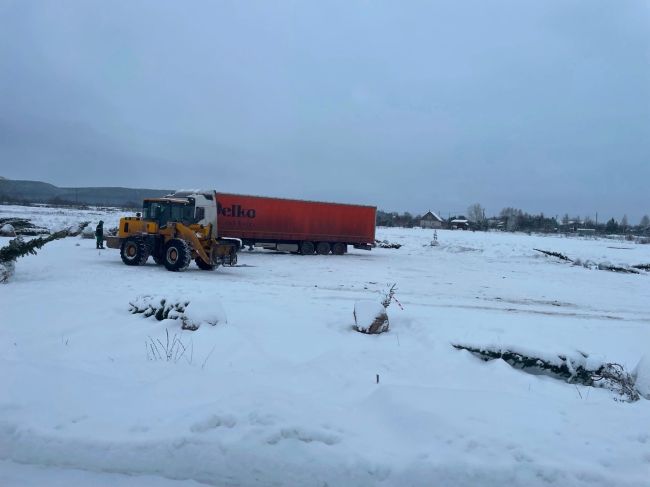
[(175, 230)]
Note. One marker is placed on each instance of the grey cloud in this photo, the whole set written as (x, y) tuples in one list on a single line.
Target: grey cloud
[(410, 106)]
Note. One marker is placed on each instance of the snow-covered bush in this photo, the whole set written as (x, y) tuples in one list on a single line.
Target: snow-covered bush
[(192, 313)]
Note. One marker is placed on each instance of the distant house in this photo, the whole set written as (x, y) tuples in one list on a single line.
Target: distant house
[(459, 224), (496, 223), (571, 226), (431, 220)]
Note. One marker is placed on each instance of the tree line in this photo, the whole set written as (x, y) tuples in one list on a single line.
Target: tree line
[(517, 220), (508, 219)]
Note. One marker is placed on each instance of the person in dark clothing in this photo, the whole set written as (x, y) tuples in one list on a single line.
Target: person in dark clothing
[(99, 233)]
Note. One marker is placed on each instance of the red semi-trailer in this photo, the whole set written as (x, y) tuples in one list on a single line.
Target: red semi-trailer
[(295, 225)]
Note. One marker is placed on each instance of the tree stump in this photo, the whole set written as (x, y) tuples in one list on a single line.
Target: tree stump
[(370, 317)]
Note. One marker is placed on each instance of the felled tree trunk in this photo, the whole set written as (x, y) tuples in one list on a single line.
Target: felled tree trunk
[(23, 226), (19, 248), (554, 254), (615, 268), (643, 267), (608, 375), (78, 230)]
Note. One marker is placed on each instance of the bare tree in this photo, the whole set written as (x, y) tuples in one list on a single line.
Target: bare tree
[(512, 217), (645, 221), (624, 223), (476, 213)]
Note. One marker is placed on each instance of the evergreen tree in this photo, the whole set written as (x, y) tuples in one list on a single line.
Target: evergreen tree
[(19, 248), (612, 226)]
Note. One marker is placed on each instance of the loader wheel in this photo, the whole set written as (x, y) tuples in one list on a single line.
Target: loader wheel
[(306, 248), (177, 255), (338, 248), (134, 251), (323, 248), (200, 263)]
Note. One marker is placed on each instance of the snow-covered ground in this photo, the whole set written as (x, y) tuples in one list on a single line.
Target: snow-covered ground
[(59, 218), (286, 393)]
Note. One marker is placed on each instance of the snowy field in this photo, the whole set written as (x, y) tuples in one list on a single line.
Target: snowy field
[(285, 393)]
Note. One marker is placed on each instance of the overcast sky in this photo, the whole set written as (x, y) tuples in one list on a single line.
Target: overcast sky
[(538, 104)]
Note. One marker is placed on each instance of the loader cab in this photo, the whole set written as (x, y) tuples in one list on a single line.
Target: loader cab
[(165, 210)]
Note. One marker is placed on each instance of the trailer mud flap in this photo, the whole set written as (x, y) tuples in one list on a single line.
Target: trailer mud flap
[(363, 246)]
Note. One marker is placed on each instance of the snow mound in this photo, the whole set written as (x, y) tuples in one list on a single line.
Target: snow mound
[(203, 310), (88, 232), (7, 230)]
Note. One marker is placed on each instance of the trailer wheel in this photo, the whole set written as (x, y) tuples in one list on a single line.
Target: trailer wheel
[(200, 263), (306, 248), (134, 251), (177, 255), (323, 248), (339, 248)]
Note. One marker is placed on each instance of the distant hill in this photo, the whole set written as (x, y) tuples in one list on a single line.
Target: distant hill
[(39, 192)]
